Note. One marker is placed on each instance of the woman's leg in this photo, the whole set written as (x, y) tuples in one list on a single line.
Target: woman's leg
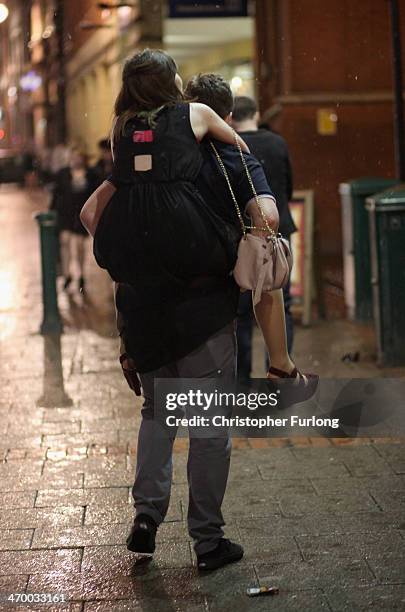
[(270, 316), (81, 252), (66, 252)]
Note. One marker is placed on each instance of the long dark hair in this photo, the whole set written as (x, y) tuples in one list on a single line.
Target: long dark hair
[(148, 83)]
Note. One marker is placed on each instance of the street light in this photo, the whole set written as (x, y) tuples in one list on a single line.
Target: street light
[(3, 12)]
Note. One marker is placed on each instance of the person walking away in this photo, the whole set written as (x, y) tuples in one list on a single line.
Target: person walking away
[(73, 186)]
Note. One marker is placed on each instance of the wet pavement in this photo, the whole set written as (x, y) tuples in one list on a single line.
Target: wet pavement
[(321, 519)]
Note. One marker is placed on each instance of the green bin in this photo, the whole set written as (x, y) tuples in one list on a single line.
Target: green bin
[(356, 247), (387, 239)]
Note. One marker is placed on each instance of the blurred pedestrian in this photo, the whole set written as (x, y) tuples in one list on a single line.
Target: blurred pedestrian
[(73, 185), (103, 167), (272, 152)]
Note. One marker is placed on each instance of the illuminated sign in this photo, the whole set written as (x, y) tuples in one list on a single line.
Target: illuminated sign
[(208, 8)]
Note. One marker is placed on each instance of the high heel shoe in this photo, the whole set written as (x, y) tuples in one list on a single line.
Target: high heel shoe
[(301, 388)]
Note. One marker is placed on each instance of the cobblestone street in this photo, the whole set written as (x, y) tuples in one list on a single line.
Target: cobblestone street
[(324, 520)]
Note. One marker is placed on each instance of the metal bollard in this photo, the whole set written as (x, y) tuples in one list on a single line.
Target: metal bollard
[(51, 322)]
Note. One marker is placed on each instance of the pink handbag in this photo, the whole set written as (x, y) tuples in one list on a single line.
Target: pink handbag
[(264, 262)]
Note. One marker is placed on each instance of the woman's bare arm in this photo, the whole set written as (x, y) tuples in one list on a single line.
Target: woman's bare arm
[(269, 208), (93, 208), (205, 121)]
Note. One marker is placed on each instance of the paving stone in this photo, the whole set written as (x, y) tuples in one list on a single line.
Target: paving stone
[(90, 465), (289, 485), (82, 497), (247, 500), (394, 455), (62, 441), (389, 499), (367, 598), (31, 518), (39, 561), (20, 441), (33, 483), (341, 545), (21, 499), (334, 504), (319, 573), (364, 522), (389, 568), (168, 555), (146, 605), (15, 469), (70, 414), (360, 461), (60, 607), (224, 590), (13, 584), (302, 470), (88, 535), (106, 515), (65, 427), (15, 539), (269, 548), (113, 478)]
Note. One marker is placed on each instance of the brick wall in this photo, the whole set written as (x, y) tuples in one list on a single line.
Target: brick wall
[(334, 54)]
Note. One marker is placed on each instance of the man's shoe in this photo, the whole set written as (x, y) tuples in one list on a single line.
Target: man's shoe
[(226, 552), (142, 536)]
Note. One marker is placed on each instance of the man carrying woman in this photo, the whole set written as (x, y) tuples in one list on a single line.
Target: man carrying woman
[(168, 237)]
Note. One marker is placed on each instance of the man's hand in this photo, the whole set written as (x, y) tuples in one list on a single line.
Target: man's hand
[(130, 373)]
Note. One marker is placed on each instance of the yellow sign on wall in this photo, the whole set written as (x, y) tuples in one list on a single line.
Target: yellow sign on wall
[(327, 120)]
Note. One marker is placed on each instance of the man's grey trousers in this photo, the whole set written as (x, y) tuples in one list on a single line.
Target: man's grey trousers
[(208, 458)]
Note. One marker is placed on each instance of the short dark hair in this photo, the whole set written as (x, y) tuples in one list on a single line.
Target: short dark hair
[(212, 90), (244, 108)]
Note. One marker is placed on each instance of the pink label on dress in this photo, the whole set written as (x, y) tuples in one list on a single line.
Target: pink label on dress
[(142, 136)]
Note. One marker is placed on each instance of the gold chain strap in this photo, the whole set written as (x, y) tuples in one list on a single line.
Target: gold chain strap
[(264, 218), (225, 173), (240, 216)]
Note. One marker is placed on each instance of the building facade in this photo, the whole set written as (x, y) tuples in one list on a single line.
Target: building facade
[(329, 66), (97, 43)]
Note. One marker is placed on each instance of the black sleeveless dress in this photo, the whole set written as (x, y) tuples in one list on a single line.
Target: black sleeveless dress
[(161, 242)]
